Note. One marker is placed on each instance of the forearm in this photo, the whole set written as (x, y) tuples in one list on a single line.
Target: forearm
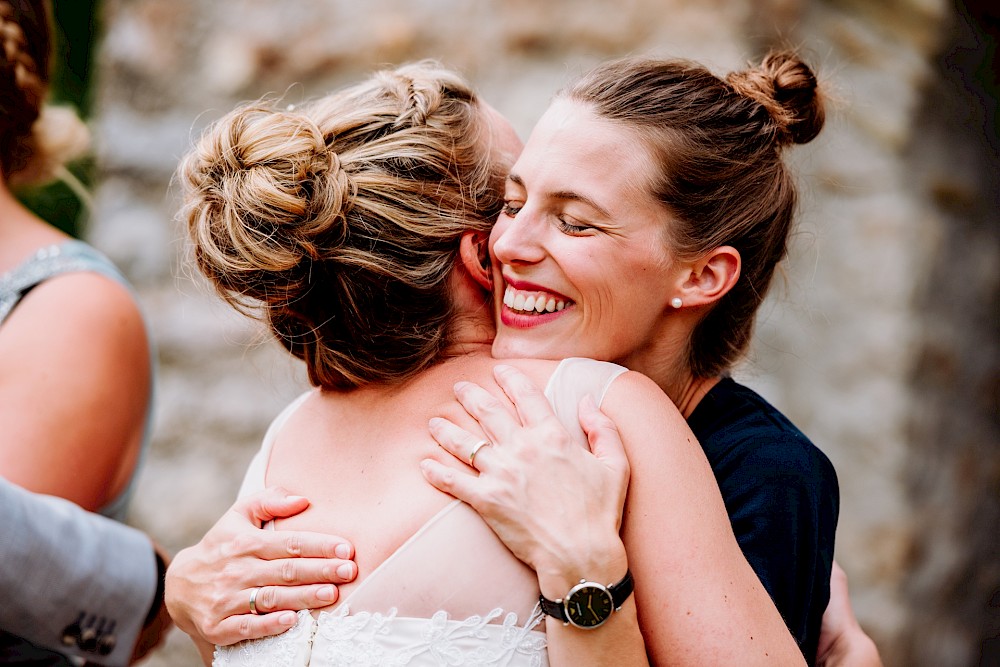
[(617, 641), (698, 600)]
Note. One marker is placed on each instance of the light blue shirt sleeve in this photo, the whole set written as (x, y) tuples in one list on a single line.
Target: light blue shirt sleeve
[(60, 563)]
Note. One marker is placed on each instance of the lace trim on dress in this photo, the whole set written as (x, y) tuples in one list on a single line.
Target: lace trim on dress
[(342, 639)]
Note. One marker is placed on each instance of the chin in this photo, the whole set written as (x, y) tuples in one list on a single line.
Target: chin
[(513, 347)]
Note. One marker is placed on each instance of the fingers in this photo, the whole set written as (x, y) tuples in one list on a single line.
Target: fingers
[(275, 544), (298, 572), (602, 435), (530, 402), (458, 442), (494, 417), (458, 484), (238, 628), (271, 503), (270, 599)]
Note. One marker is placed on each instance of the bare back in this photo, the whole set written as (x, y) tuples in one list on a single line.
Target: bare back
[(432, 574)]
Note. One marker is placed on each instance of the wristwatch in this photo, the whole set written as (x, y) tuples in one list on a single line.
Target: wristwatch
[(589, 604)]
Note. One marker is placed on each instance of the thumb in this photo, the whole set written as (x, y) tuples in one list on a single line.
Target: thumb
[(273, 502), (602, 435)]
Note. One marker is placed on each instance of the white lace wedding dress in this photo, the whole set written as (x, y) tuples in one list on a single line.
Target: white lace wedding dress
[(452, 594)]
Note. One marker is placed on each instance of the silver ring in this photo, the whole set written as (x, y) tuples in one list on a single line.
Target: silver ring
[(253, 601), (475, 450)]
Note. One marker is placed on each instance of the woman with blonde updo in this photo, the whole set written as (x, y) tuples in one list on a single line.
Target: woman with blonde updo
[(354, 227), (75, 361)]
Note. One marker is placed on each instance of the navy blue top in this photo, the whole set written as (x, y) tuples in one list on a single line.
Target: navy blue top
[(782, 497)]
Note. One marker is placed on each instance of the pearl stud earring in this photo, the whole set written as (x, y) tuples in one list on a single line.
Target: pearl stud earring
[(676, 302)]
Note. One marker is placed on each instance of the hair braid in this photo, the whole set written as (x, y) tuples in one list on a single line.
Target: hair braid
[(18, 64)]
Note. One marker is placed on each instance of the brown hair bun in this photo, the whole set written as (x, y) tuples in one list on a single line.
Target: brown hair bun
[(787, 88)]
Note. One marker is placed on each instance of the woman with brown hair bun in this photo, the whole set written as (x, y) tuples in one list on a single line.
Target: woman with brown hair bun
[(643, 223), (354, 227)]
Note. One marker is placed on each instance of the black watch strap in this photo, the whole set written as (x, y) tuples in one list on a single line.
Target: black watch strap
[(619, 593)]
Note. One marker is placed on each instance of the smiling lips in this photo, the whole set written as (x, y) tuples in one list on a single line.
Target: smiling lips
[(525, 302)]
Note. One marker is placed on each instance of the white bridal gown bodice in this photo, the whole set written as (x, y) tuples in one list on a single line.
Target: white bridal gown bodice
[(452, 594)]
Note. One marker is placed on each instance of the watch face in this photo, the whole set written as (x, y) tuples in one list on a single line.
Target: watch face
[(588, 605)]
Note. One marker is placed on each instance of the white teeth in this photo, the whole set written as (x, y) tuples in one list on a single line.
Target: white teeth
[(531, 302)]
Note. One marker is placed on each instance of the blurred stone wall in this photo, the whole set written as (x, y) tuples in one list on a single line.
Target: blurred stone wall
[(881, 343)]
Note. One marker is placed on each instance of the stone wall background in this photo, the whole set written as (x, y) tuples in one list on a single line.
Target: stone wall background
[(881, 343)]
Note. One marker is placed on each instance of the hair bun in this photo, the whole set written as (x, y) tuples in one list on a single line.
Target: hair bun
[(785, 86), (264, 194)]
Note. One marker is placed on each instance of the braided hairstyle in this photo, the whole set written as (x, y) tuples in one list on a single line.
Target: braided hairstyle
[(718, 144), (338, 222), (35, 139)]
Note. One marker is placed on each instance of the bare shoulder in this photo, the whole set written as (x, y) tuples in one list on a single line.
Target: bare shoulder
[(634, 392), (88, 302), (645, 415), (87, 317), (539, 370)]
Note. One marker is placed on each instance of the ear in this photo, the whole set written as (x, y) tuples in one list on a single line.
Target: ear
[(473, 251), (711, 277)]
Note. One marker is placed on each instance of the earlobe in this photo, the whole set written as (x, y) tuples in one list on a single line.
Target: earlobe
[(712, 276), (474, 254)]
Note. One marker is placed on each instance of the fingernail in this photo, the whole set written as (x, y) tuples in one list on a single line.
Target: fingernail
[(462, 384), (325, 594), (286, 618), (501, 368), (294, 498), (342, 550), (346, 571), (433, 422)]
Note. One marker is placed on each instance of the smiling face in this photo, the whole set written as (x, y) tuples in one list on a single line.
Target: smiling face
[(582, 267)]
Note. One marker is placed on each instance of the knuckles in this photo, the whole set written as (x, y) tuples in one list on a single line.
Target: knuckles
[(289, 572), (241, 544)]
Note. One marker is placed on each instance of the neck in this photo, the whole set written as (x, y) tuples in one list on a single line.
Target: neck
[(684, 389), (21, 231), (691, 393), (664, 360)]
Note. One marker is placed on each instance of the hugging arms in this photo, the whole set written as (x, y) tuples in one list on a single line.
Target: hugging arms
[(609, 197)]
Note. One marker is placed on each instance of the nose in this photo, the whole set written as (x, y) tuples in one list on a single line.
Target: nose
[(519, 240)]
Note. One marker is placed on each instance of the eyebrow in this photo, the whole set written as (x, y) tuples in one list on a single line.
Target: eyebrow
[(567, 195)]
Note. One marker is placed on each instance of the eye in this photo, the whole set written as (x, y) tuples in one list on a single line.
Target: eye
[(568, 226), (509, 209)]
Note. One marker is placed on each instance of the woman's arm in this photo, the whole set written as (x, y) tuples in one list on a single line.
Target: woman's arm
[(842, 641), (699, 595), (60, 561), (518, 498), (74, 389), (698, 602)]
